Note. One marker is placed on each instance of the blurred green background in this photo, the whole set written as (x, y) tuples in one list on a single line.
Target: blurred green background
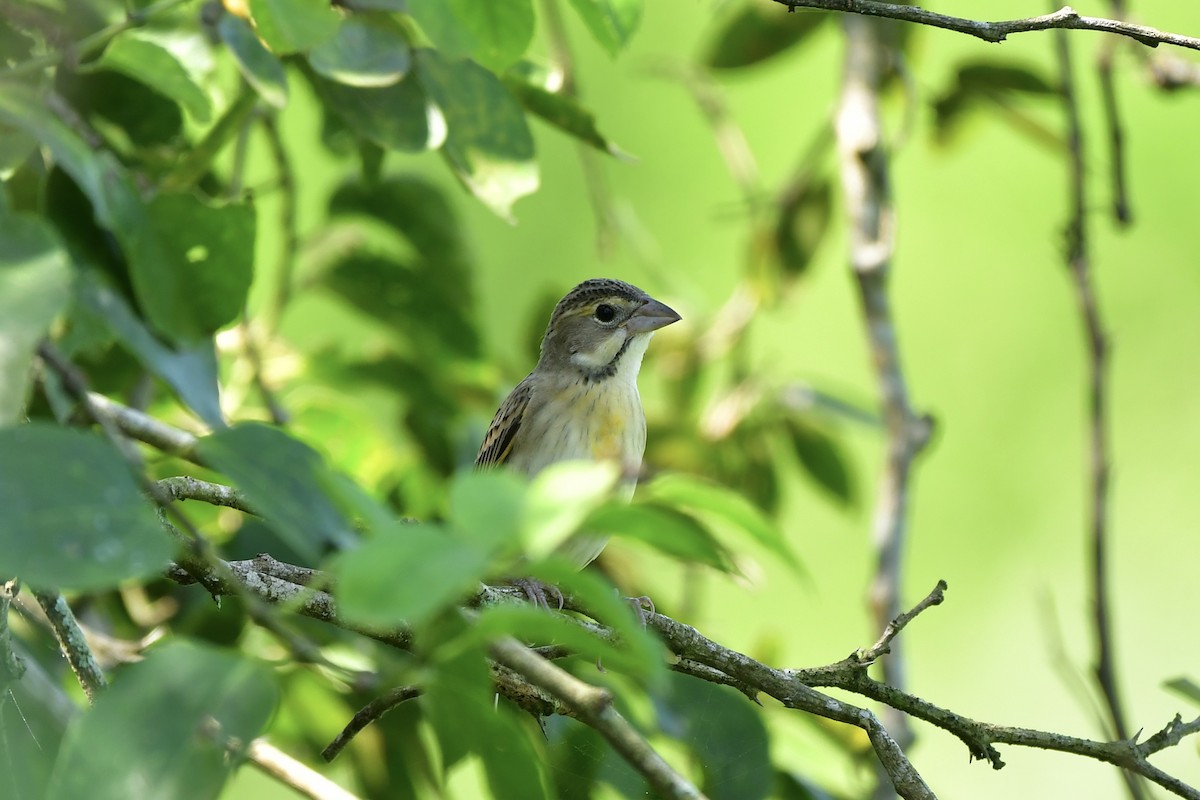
[(992, 344)]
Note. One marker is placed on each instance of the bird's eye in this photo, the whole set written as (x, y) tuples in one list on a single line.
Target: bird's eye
[(605, 313)]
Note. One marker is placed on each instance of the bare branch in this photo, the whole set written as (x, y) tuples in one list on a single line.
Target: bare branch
[(145, 428), (369, 713), (1065, 18), (279, 765), (184, 487), (72, 642)]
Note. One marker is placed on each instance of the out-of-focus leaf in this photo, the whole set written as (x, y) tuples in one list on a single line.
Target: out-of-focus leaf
[(665, 529), (367, 51), (758, 30), (792, 786), (211, 250), (488, 143), (149, 118), (258, 65), (559, 500), (406, 574), (151, 733), (494, 33), (486, 507), (176, 298), (1185, 687), (191, 369), (35, 281), (155, 66), (285, 480), (611, 22), (293, 26), (986, 84), (821, 458), (801, 224), (395, 117), (711, 501), (724, 732), (71, 515), (562, 112), (576, 754), (460, 704)]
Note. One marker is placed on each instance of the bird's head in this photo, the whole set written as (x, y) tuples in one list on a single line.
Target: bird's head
[(601, 328)]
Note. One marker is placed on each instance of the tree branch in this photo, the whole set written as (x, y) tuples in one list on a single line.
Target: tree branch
[(72, 642), (594, 706), (1064, 18)]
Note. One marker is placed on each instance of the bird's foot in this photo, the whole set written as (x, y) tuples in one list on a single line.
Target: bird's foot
[(640, 606), (539, 593)]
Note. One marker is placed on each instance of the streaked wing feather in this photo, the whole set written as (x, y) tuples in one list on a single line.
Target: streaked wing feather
[(498, 441)]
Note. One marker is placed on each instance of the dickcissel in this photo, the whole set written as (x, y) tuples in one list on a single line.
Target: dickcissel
[(581, 400)]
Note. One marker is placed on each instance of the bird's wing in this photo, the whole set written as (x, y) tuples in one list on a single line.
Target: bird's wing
[(498, 441)]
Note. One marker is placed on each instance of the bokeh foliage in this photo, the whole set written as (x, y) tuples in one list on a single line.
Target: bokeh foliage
[(276, 222)]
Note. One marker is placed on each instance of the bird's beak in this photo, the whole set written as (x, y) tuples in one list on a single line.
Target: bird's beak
[(650, 317)]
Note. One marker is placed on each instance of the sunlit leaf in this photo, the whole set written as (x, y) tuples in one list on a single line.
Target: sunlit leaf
[(396, 117), (494, 33), (758, 30), (559, 500), (712, 501), (285, 480), (35, 280), (292, 26), (368, 51), (487, 506), (155, 66), (563, 112), (671, 532), (71, 515), (258, 65), (611, 22), (163, 728), (406, 574), (488, 143)]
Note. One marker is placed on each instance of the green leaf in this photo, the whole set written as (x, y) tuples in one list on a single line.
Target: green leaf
[(159, 239), (190, 370), (710, 501), (460, 703), (562, 112), (559, 500), (150, 734), (368, 51), (724, 731), (154, 65), (258, 65), (801, 224), (757, 31), (1185, 687), (493, 32), (664, 529), (285, 480), (406, 574), (486, 507), (821, 457), (293, 26), (488, 143), (210, 251), (35, 280), (395, 117), (611, 22), (71, 515), (997, 86)]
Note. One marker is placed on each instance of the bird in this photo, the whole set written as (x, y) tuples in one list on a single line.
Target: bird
[(581, 400)]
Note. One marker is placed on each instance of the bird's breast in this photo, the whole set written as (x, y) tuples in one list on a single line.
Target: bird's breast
[(591, 420)]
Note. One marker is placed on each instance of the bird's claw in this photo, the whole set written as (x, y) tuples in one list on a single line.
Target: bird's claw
[(538, 591)]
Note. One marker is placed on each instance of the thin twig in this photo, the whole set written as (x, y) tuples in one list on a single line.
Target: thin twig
[(369, 713), (1097, 347), (12, 667), (1064, 18), (144, 428), (871, 654), (279, 765), (184, 487), (864, 168), (1112, 121), (72, 642)]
